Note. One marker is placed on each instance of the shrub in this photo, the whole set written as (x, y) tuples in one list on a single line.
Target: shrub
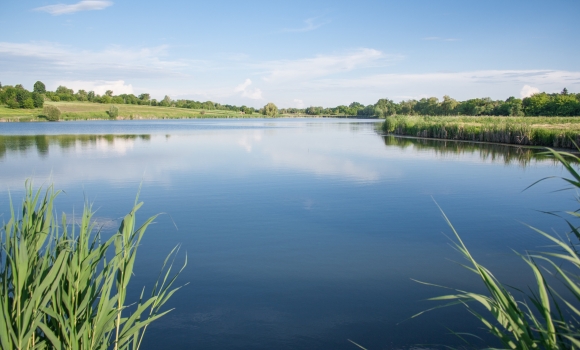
[(113, 112), (12, 104), (270, 110), (28, 103), (51, 113)]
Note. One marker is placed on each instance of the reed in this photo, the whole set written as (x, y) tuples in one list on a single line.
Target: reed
[(545, 318), (61, 287), (530, 131)]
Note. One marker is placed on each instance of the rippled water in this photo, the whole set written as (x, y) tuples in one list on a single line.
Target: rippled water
[(300, 233)]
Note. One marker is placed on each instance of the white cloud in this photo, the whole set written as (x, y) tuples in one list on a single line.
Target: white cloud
[(298, 103), (528, 91), (100, 86), (309, 25), (322, 65), (52, 58), (254, 94), (460, 85), (85, 5)]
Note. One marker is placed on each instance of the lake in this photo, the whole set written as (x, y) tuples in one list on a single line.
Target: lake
[(300, 233)]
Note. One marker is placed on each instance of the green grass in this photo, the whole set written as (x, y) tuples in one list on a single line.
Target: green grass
[(97, 111), (63, 287), (557, 132)]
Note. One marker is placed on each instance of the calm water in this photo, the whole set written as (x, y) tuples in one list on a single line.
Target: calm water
[(300, 233)]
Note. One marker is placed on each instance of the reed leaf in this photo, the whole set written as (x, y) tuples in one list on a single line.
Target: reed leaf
[(553, 324), (58, 290)]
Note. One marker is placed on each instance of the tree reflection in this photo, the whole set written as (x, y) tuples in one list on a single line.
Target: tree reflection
[(23, 143), (487, 151)]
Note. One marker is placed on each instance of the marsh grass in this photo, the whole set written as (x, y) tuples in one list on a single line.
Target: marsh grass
[(545, 318), (62, 287), (556, 132)]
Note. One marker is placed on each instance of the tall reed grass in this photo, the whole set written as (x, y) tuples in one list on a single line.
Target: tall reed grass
[(546, 318), (531, 131), (62, 287)]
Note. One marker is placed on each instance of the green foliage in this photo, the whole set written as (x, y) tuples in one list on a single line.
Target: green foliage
[(38, 100), (51, 113), (113, 112), (62, 287), (12, 104), (270, 110), (530, 131), (28, 103), (552, 319), (39, 87), (562, 104), (166, 102)]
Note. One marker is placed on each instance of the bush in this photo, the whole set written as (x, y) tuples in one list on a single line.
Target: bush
[(270, 110), (113, 112), (51, 113), (28, 103), (12, 104)]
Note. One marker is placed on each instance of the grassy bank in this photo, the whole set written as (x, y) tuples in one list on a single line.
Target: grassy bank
[(97, 111), (530, 131)]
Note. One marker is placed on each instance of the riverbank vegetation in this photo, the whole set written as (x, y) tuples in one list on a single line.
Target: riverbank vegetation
[(63, 286), (540, 104), (557, 132)]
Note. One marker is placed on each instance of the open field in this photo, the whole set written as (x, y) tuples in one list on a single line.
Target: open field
[(91, 111), (559, 132)]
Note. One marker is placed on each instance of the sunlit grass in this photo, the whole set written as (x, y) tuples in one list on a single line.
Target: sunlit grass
[(62, 287), (558, 132)]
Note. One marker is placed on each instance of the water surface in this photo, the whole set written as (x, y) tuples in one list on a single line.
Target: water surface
[(300, 233)]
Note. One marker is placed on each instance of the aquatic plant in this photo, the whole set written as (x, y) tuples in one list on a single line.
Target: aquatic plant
[(62, 287), (530, 131), (546, 318)]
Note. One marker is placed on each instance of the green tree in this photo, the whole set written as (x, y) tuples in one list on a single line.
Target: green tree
[(63, 90), (448, 105), (39, 87), (166, 102), (38, 100), (270, 110), (385, 107), (109, 93), (28, 103), (82, 95)]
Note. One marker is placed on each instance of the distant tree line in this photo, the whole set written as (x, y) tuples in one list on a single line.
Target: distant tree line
[(541, 104), (18, 97)]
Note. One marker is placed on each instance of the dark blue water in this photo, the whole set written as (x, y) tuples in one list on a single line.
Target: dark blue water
[(300, 233)]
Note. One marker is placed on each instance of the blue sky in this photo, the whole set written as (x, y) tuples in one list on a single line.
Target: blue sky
[(294, 53)]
